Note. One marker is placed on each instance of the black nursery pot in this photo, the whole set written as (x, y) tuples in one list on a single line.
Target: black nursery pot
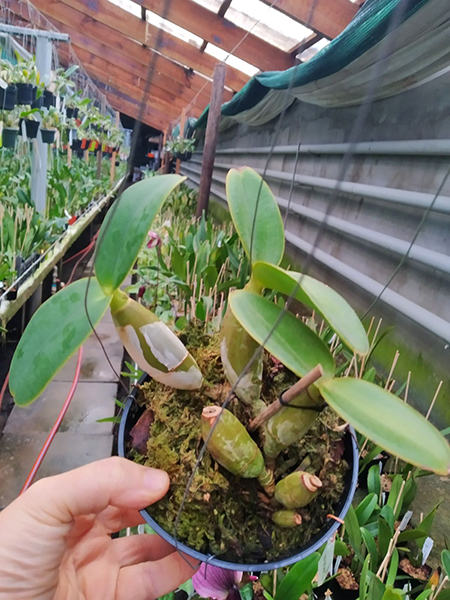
[(38, 103), (70, 112), (9, 136), (32, 128), (76, 145), (49, 99), (131, 414), (8, 97), (26, 93), (48, 135)]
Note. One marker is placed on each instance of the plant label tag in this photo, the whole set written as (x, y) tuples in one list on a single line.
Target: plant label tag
[(426, 549), (3, 83), (325, 565), (70, 137), (24, 130), (406, 519), (337, 564)]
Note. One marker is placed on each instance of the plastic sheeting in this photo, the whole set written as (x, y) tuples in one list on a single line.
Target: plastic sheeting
[(416, 36)]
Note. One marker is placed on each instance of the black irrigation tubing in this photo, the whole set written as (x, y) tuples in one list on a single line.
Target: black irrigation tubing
[(354, 136)]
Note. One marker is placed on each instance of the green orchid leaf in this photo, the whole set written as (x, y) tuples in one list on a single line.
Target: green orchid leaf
[(291, 341), (365, 509), (299, 578), (445, 559), (334, 309), (56, 330), (247, 194), (125, 228), (388, 421), (391, 594)]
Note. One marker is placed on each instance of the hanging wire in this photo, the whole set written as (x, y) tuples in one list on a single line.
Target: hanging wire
[(413, 241)]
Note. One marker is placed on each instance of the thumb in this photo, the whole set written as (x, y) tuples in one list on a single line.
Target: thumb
[(90, 489)]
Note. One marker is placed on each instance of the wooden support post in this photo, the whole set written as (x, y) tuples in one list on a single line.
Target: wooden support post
[(164, 153), (86, 155), (160, 151), (182, 125), (99, 161), (112, 172), (212, 133)]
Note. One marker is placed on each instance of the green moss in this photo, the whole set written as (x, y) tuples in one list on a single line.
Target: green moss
[(224, 514)]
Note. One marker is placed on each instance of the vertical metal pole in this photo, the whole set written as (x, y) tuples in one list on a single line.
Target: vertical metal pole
[(40, 151), (211, 136)]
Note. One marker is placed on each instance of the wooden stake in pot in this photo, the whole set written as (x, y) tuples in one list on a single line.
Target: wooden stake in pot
[(287, 397)]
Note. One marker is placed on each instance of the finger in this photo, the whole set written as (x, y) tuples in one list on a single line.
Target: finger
[(140, 548), (150, 580), (91, 489), (114, 519)]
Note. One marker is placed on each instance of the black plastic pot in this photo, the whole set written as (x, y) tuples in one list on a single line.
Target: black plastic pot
[(32, 127), (9, 136), (131, 414), (26, 93), (49, 99), (70, 112), (76, 145), (8, 97), (38, 103), (48, 135), (75, 113)]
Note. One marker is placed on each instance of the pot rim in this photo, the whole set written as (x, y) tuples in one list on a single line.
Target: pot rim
[(330, 528)]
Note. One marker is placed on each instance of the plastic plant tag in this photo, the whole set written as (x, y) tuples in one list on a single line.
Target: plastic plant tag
[(325, 565), (426, 549), (406, 519), (337, 564), (3, 84), (24, 130)]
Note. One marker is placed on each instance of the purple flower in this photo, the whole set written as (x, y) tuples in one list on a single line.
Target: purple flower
[(153, 240), (217, 583)]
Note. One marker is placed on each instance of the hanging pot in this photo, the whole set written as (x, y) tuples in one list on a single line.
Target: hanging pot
[(9, 136), (32, 127), (49, 99), (25, 93), (70, 112), (76, 145), (8, 97), (48, 135), (130, 416), (75, 113), (39, 102)]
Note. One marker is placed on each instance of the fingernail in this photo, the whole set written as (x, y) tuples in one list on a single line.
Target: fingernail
[(156, 480)]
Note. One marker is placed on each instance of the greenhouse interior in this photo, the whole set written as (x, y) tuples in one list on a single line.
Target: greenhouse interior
[(224, 314)]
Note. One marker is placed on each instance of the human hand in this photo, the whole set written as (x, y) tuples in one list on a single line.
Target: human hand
[(56, 544)]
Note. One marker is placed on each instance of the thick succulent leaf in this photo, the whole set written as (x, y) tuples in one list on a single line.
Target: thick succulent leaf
[(320, 297), (389, 422), (125, 228), (292, 342), (248, 193), (56, 330)]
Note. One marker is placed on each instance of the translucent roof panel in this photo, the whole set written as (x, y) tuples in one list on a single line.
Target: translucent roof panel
[(313, 50), (233, 61), (129, 6), (212, 5), (175, 30), (267, 23)]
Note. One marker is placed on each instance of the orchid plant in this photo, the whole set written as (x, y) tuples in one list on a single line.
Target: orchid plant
[(253, 322)]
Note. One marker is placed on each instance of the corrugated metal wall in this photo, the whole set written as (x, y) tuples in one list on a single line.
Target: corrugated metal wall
[(388, 185)]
